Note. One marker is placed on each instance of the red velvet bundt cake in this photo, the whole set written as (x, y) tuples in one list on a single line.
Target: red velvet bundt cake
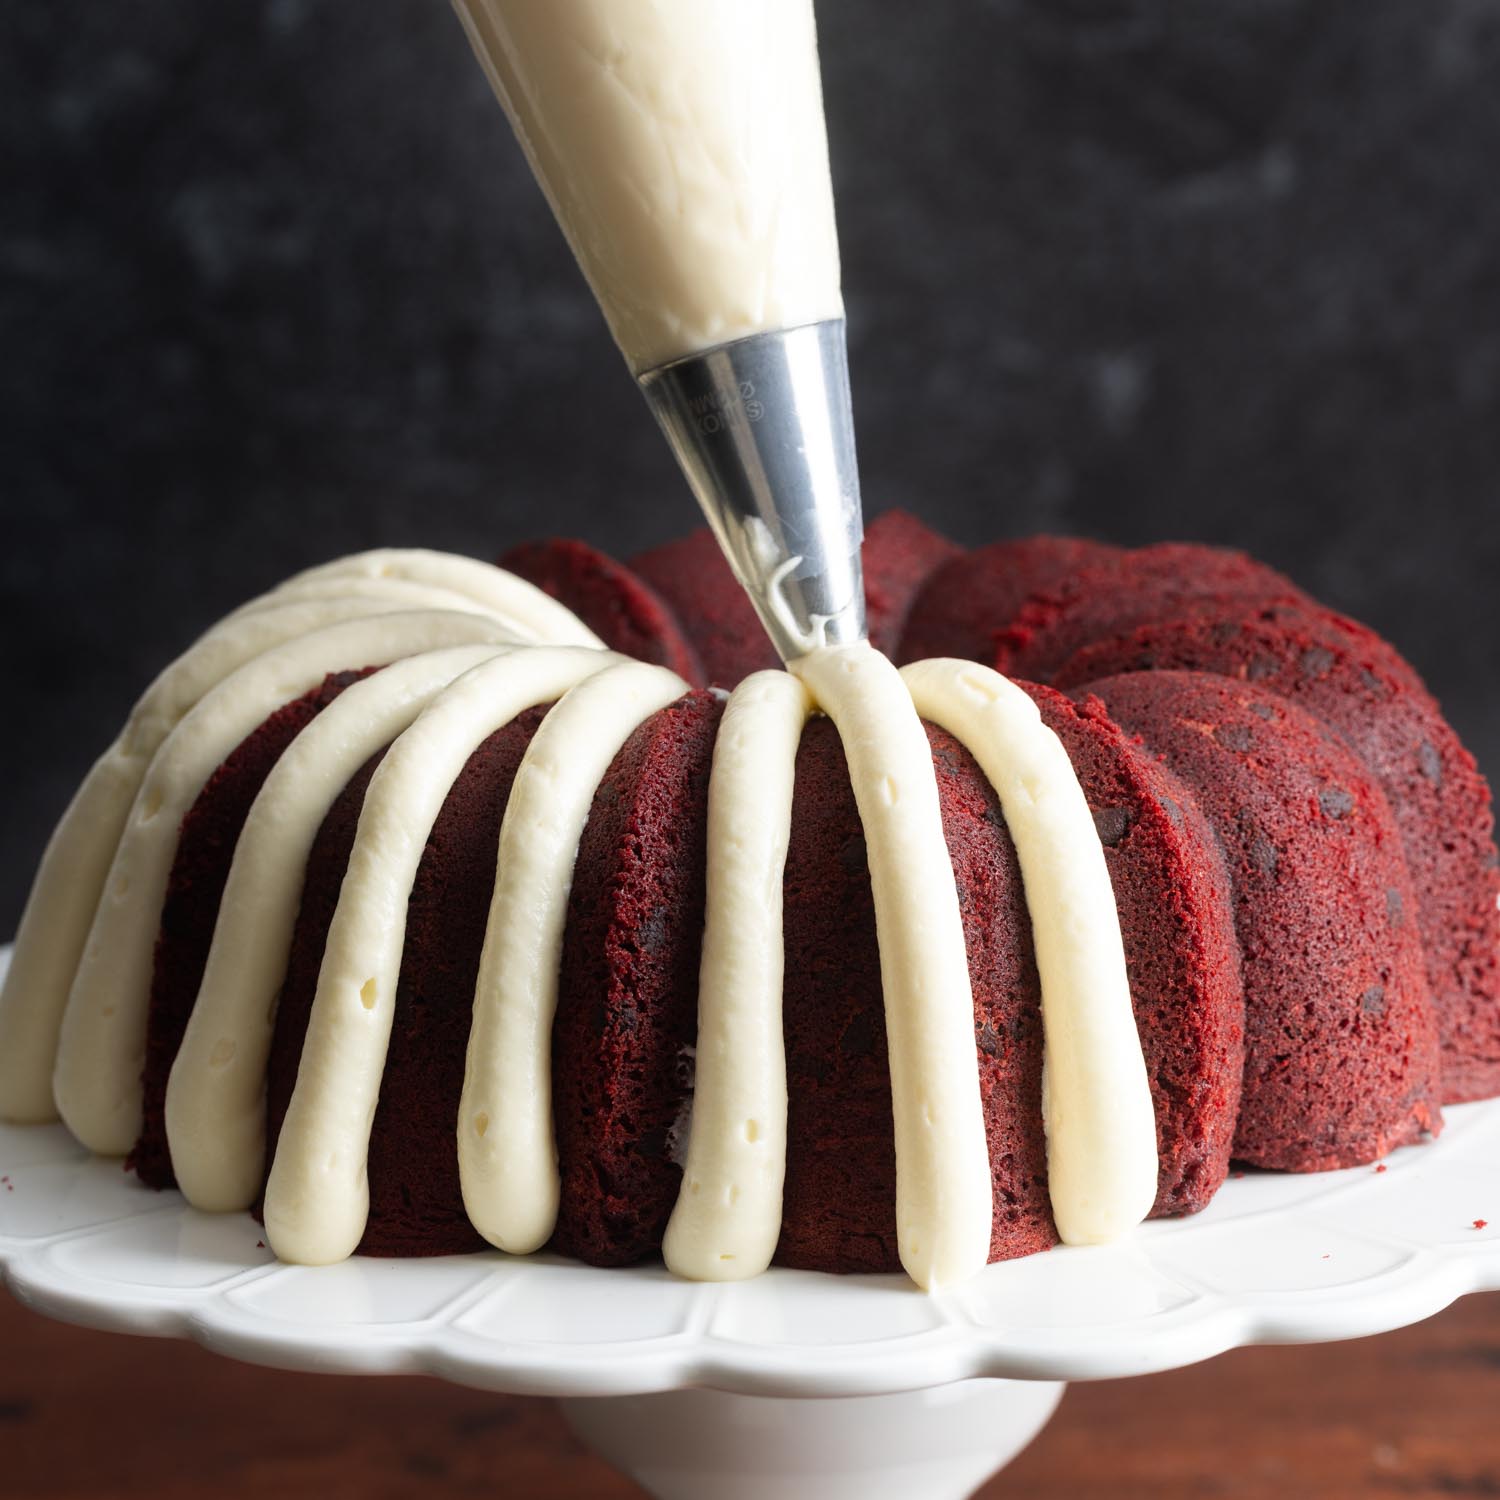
[(352, 924)]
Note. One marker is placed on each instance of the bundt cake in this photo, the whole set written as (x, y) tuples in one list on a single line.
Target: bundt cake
[(425, 905)]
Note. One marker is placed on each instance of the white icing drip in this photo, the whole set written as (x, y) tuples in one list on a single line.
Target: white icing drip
[(728, 1213), (66, 889), (101, 1046), (393, 593), (317, 1199), (237, 639), (533, 615), (216, 1107), (943, 1185), (1101, 1126), (506, 1157)]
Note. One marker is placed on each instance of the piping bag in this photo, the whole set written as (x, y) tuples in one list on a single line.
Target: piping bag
[(682, 146)]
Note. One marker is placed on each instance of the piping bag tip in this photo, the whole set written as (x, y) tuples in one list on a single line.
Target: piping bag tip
[(764, 431)]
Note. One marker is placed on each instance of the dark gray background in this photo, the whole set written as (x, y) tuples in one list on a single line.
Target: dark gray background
[(274, 285)]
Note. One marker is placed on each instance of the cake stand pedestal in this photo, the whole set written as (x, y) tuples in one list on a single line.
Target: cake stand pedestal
[(792, 1384), (937, 1444)]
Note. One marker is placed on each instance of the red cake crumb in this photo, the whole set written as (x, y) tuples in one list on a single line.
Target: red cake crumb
[(1342, 1060), (1126, 589), (900, 554), (1172, 894), (1481, 1223), (965, 601), (627, 1000), (1359, 685)]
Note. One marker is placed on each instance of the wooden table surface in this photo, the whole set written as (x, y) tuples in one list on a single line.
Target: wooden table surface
[(1413, 1415)]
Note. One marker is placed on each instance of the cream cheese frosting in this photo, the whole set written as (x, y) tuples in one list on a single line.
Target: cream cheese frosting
[(317, 1198), (682, 146), (1096, 1098), (392, 593), (507, 1157), (943, 1189), (727, 1218), (66, 891), (216, 1104), (102, 1044), (530, 614)]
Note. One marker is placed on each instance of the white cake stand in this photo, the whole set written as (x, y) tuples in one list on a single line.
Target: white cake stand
[(707, 1385), (704, 1390)]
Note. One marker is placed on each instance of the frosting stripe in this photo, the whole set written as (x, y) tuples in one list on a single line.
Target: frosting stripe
[(102, 1043), (1096, 1099), (393, 593), (216, 1104), (728, 1213), (944, 1193), (66, 890), (317, 1199), (506, 1153), (534, 615)]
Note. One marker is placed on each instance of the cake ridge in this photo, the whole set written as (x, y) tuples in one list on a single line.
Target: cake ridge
[(215, 1098), (317, 1195)]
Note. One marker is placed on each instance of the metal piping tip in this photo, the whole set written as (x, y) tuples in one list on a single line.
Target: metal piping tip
[(763, 429)]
